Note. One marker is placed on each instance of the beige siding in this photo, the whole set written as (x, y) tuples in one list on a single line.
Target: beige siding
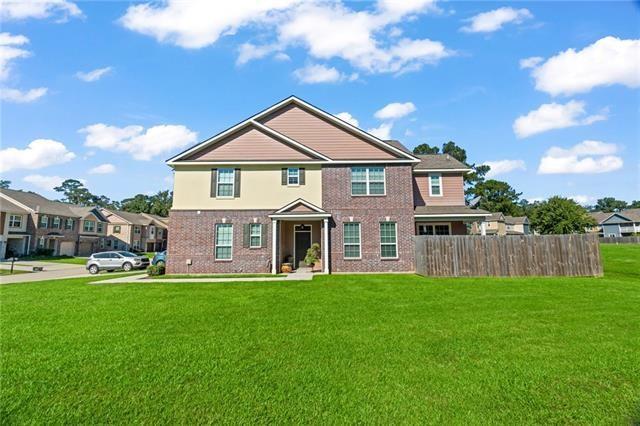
[(452, 190), (261, 188), (323, 136), (249, 144)]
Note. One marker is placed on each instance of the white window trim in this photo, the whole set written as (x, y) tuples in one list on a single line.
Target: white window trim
[(367, 181), (55, 225), (67, 222), (46, 223), (84, 227), (439, 175), (233, 184), (359, 242), (99, 227), (395, 224), (297, 176), (434, 224), (251, 235), (215, 243), (12, 221)]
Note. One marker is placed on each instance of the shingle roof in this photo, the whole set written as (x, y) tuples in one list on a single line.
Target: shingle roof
[(438, 161), (38, 203), (496, 217), (449, 210), (85, 211), (515, 220), (160, 220), (397, 144), (9, 207), (633, 214), (128, 217)]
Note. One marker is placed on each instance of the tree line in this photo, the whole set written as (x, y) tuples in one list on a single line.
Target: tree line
[(74, 192), (556, 215)]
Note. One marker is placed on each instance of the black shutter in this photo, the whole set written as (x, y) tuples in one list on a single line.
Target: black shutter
[(263, 238), (301, 171), (246, 236), (214, 182), (284, 176), (236, 183)]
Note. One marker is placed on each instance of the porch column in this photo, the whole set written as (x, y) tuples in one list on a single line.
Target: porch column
[(274, 246), (325, 247), (483, 228)]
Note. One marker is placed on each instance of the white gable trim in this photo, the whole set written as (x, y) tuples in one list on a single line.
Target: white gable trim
[(300, 201), (299, 102), (419, 171)]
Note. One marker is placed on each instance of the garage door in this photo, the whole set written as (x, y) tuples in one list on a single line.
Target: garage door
[(85, 249), (67, 248)]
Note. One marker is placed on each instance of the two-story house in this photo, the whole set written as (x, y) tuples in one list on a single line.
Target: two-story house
[(617, 224), (135, 231), (263, 191), (61, 228), (13, 228), (499, 224)]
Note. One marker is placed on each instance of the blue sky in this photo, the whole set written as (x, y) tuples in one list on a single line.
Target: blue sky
[(168, 74)]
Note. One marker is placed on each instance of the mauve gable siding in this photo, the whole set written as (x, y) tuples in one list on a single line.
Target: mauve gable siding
[(452, 190), (323, 136)]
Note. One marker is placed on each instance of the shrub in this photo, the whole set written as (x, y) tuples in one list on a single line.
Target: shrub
[(155, 270), (313, 254), (44, 252)]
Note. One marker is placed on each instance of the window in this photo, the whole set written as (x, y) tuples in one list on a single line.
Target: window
[(41, 242), (116, 229), (136, 245), (44, 221), (89, 225), (388, 240), (293, 176), (351, 240), (108, 243), (136, 229), (68, 224), (226, 178), (435, 185), (367, 181), (101, 243), (159, 233), (56, 223), (255, 235), (434, 229), (224, 241), (100, 227), (15, 221)]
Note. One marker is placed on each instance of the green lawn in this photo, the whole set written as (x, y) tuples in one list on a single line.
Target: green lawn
[(15, 271), (166, 277), (338, 349), (56, 259)]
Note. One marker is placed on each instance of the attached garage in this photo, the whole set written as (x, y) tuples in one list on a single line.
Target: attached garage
[(67, 248), (85, 248)]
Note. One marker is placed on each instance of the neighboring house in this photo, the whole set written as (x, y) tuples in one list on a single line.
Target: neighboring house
[(617, 224), (13, 228), (499, 224), (135, 231), (261, 192), (65, 229)]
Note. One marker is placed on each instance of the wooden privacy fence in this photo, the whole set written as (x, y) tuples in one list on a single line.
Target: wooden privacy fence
[(508, 256), (620, 240)]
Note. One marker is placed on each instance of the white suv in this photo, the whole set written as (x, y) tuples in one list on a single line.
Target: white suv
[(112, 260)]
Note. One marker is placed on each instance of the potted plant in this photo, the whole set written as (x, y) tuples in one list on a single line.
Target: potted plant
[(287, 265), (313, 257)]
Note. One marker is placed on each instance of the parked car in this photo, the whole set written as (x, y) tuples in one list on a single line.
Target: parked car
[(112, 260), (160, 258)]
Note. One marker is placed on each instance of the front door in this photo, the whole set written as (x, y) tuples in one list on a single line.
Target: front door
[(302, 243)]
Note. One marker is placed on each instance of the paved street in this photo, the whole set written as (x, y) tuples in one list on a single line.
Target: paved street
[(51, 271)]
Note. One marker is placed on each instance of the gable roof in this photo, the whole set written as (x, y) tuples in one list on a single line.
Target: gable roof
[(126, 217), (402, 155), (633, 214), (38, 203), (9, 206), (440, 162), (496, 217), (629, 215), (516, 220), (86, 211)]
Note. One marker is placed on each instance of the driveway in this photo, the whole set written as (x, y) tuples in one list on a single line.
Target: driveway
[(52, 271)]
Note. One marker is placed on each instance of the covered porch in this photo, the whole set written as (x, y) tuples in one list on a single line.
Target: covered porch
[(447, 220), (296, 227)]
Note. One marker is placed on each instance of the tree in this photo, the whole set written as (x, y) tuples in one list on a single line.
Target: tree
[(161, 203), (5, 184), (497, 196), (75, 193), (609, 204), (140, 203), (635, 204), (424, 149), (559, 215)]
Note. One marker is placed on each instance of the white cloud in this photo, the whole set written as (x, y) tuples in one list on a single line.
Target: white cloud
[(345, 116), (141, 144), (531, 62), (499, 167), (395, 110), (103, 169), (94, 75), (19, 96), (587, 157), (281, 56), (198, 23), (9, 52), (493, 20), (554, 116), (312, 74), (357, 36), (38, 9), (44, 182), (582, 199), (383, 131), (606, 62), (38, 154)]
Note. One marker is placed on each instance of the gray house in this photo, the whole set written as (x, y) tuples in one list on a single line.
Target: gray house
[(617, 224)]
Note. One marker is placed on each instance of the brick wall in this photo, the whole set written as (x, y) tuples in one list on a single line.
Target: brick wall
[(191, 236), (37, 232), (396, 205)]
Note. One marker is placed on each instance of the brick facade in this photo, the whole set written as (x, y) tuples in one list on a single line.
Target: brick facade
[(38, 232), (395, 206), (191, 236)]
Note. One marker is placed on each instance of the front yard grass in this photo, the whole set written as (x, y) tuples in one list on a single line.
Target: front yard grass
[(338, 349), (15, 271), (56, 259), (172, 276)]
